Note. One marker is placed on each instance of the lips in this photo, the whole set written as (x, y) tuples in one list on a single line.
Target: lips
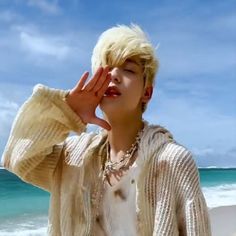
[(112, 91)]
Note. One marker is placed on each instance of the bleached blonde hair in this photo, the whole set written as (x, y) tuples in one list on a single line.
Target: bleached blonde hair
[(121, 42)]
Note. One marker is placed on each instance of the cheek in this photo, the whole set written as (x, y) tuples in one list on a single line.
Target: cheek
[(138, 88), (135, 93), (134, 87), (136, 82)]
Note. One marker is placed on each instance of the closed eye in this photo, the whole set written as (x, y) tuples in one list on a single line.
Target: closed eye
[(129, 70)]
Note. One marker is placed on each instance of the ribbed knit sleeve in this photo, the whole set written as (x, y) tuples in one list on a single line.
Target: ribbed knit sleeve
[(195, 218), (192, 211), (42, 123), (180, 208)]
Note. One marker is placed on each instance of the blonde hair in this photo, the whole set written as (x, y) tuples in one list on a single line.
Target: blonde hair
[(121, 42)]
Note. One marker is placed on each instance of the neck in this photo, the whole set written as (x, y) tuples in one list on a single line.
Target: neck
[(122, 135)]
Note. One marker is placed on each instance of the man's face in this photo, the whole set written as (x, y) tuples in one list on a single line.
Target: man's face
[(126, 89)]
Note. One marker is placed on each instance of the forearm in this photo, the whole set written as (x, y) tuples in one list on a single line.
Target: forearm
[(43, 122), (193, 218)]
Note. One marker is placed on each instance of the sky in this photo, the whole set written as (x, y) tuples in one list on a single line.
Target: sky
[(50, 42)]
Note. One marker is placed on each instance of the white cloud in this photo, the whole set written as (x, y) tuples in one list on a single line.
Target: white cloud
[(208, 133), (8, 16), (45, 6), (11, 98), (44, 46), (8, 111), (197, 44), (194, 124), (216, 158), (203, 152), (225, 22), (30, 55), (191, 45), (189, 56)]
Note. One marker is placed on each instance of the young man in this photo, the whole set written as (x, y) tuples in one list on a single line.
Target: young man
[(131, 178)]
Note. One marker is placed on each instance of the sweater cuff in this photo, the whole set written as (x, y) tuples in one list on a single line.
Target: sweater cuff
[(40, 90), (58, 97)]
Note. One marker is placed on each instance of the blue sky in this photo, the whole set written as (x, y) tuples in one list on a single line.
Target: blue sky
[(50, 42)]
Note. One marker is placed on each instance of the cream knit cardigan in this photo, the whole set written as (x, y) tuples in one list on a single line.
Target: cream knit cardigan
[(169, 201)]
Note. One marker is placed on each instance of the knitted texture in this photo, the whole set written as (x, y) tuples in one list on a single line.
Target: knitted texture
[(169, 200)]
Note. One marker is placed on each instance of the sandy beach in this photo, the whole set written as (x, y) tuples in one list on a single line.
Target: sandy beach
[(223, 220)]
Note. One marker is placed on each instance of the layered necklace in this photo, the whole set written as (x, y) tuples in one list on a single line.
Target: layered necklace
[(116, 168)]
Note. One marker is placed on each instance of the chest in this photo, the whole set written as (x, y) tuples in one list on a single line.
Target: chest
[(117, 211)]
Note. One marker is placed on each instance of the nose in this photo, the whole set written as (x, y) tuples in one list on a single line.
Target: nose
[(115, 75)]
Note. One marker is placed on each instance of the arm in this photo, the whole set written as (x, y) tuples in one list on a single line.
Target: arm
[(194, 218), (45, 120), (33, 149), (192, 212)]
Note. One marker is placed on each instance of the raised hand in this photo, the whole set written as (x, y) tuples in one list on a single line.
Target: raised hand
[(85, 97)]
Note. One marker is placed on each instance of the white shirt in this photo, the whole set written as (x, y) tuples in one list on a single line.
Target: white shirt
[(118, 208)]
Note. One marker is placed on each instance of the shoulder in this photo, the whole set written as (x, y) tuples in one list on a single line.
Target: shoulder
[(177, 155), (179, 158), (153, 133), (182, 168), (153, 138), (160, 143)]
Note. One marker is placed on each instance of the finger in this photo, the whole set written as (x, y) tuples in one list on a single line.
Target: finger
[(102, 78), (94, 79), (104, 87), (100, 122), (81, 82)]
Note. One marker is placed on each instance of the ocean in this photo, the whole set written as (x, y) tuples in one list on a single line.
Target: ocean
[(24, 208)]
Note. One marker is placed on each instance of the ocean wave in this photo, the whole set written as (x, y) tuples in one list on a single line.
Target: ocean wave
[(33, 232), (25, 225), (217, 167), (221, 195)]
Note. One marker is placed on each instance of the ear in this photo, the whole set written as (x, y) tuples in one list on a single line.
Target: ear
[(147, 95)]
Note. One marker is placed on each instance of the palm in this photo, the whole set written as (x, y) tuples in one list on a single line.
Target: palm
[(84, 98)]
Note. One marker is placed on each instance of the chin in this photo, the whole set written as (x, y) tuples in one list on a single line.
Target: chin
[(107, 108), (110, 109)]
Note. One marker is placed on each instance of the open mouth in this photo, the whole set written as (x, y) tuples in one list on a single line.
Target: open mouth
[(112, 92)]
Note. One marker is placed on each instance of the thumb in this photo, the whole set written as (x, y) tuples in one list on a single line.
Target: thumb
[(100, 122)]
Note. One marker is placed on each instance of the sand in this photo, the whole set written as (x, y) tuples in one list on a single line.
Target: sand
[(223, 220)]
